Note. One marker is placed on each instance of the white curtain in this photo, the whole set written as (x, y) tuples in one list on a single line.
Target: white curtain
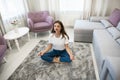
[(100, 7), (11, 9), (104, 7), (69, 11), (76, 9), (41, 5), (65, 10)]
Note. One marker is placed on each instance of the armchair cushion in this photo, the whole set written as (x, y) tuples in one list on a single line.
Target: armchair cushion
[(41, 25), (115, 17), (38, 16)]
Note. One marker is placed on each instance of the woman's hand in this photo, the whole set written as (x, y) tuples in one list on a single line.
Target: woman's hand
[(46, 50), (72, 57), (41, 53), (69, 52)]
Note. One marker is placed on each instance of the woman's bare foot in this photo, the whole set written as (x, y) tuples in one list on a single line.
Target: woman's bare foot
[(56, 59)]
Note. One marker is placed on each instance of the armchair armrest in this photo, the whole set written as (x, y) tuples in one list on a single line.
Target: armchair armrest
[(49, 19), (30, 23), (97, 19), (112, 68)]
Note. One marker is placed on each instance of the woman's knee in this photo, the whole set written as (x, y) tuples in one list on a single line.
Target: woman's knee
[(65, 60), (43, 56), (69, 60)]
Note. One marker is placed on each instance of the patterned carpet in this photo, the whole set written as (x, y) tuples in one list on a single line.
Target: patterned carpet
[(33, 68)]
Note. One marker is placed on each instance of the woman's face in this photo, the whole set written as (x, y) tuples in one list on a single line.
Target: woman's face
[(57, 27)]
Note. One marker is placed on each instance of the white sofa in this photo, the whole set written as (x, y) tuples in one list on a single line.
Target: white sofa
[(83, 29), (106, 43), (111, 69), (106, 46)]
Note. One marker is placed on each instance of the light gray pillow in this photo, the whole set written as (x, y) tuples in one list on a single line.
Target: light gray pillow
[(118, 26), (106, 23), (114, 32), (118, 40), (97, 18)]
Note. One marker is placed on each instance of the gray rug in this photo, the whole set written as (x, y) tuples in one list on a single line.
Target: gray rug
[(33, 68)]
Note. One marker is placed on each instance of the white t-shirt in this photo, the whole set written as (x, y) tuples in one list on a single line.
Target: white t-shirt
[(58, 43)]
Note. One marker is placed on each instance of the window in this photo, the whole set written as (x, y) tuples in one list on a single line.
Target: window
[(11, 8), (71, 5)]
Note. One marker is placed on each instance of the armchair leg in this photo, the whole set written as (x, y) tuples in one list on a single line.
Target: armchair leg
[(49, 32), (4, 59), (35, 35)]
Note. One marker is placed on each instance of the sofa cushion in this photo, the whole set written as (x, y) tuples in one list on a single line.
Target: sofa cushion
[(38, 16), (115, 17), (114, 32), (97, 19), (118, 26), (118, 41), (111, 67), (106, 23)]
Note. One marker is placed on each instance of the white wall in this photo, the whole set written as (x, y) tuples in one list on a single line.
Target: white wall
[(112, 5)]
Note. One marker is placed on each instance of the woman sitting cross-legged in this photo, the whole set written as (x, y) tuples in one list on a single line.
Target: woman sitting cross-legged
[(58, 42)]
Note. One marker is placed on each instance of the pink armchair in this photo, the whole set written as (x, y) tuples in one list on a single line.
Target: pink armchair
[(39, 21)]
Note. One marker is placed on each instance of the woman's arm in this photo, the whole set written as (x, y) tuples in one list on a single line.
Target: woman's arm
[(49, 46), (69, 52)]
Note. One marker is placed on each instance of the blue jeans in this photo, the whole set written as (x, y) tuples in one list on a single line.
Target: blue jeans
[(62, 54)]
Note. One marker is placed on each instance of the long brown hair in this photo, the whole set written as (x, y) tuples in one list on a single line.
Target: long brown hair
[(63, 32)]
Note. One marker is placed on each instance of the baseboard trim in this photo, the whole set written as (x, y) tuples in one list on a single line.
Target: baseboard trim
[(94, 63)]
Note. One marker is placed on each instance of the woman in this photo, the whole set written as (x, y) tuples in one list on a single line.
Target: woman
[(58, 40)]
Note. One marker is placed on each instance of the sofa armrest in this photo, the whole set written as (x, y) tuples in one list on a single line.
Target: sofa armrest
[(97, 19), (30, 23), (111, 69), (49, 19)]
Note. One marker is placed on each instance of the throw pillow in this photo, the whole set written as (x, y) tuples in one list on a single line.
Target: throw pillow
[(115, 17), (106, 23), (97, 19), (118, 41), (118, 26), (114, 32)]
